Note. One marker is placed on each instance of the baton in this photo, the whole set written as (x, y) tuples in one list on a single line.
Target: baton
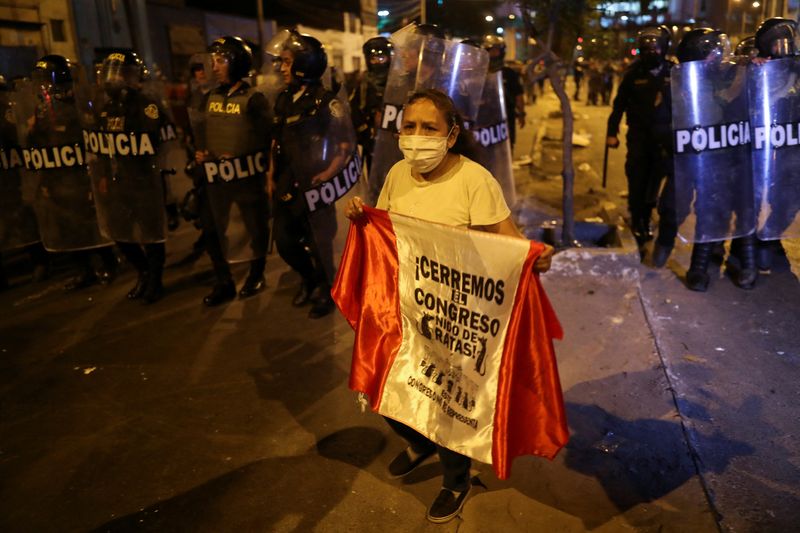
[(605, 166)]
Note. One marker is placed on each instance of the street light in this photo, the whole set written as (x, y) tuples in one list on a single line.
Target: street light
[(489, 18), (756, 4), (383, 13)]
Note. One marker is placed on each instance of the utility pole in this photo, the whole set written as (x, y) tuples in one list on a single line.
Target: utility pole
[(422, 14), (260, 22)]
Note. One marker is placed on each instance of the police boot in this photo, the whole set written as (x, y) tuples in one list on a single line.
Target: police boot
[(255, 281), (223, 291), (697, 277), (771, 256), (303, 295), (154, 290), (86, 279), (138, 290), (641, 230), (661, 253), (744, 269), (321, 301)]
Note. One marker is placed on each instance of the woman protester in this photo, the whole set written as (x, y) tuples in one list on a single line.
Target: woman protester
[(438, 182)]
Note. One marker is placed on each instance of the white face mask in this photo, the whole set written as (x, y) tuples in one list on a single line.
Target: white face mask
[(423, 152)]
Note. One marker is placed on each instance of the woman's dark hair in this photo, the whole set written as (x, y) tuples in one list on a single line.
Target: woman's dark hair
[(465, 142)]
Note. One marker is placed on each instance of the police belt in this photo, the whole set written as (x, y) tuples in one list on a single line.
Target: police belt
[(491, 135), (229, 169), (329, 191), (10, 158), (53, 157), (117, 143)]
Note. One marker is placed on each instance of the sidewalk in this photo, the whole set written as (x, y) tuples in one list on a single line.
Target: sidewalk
[(732, 357)]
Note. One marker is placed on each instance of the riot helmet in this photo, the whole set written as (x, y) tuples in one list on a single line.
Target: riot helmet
[(378, 54), (471, 42), (496, 46), (653, 43), (704, 44), (747, 47), (431, 30), (120, 70), (53, 76), (233, 52), (775, 38), (303, 56)]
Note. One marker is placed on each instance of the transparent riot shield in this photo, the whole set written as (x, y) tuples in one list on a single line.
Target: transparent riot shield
[(121, 134), (491, 134), (17, 219), (424, 62), (323, 157), (713, 185), (775, 126), (52, 145), (236, 159)]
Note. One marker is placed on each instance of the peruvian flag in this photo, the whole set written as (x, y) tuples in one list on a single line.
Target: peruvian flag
[(453, 336)]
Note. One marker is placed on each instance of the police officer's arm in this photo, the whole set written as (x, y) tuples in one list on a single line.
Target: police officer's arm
[(336, 114), (517, 92), (271, 170), (620, 105)]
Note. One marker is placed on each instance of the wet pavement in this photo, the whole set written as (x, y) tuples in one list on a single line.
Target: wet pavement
[(173, 417)]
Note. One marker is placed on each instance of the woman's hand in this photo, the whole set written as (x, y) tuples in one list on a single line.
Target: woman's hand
[(200, 156), (354, 209), (543, 262)]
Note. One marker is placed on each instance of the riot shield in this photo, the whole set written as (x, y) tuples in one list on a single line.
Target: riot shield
[(491, 134), (234, 169), (775, 125), (50, 134), (713, 186), (424, 62), (121, 135), (322, 154), (17, 219)]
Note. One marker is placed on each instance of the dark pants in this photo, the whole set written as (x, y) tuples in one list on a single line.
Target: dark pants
[(147, 259), (305, 242), (454, 465), (647, 163), (213, 245)]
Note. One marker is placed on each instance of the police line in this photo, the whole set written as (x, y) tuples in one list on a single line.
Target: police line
[(719, 136), (392, 118), (329, 191)]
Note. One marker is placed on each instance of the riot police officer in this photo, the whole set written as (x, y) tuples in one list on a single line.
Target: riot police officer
[(232, 140), (512, 87), (367, 96), (775, 39), (47, 116), (303, 117), (122, 142), (644, 97), (710, 182)]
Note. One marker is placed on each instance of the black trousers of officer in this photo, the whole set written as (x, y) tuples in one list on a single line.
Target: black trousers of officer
[(455, 466), (305, 241), (250, 196), (647, 163), (210, 235)]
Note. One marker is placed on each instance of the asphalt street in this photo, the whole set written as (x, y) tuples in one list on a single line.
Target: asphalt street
[(116, 416)]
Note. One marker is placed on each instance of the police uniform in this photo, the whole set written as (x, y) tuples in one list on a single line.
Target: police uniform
[(304, 240), (133, 111), (644, 97), (365, 105), (237, 123)]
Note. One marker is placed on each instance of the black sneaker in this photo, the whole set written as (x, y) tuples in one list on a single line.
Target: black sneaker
[(447, 505), (403, 465)]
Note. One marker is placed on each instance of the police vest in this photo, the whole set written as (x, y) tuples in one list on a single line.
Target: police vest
[(230, 130)]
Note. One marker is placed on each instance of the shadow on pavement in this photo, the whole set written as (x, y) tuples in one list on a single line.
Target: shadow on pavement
[(274, 494)]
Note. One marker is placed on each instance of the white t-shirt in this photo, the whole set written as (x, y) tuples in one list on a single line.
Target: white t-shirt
[(467, 195)]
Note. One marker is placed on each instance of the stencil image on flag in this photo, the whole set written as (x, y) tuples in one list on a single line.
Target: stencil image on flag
[(453, 336)]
